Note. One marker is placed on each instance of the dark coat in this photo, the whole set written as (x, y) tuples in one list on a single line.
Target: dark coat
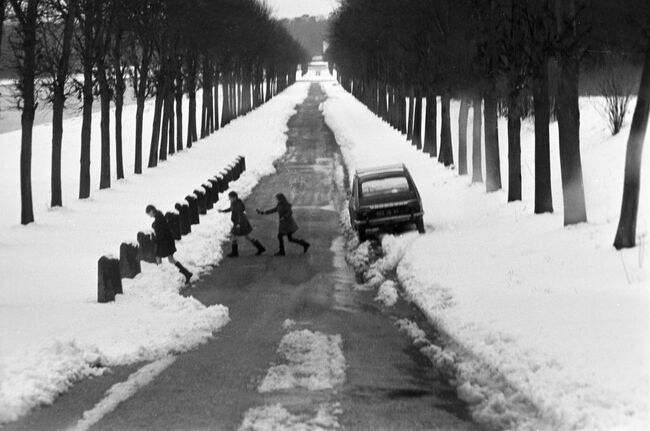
[(165, 244), (285, 215), (241, 225)]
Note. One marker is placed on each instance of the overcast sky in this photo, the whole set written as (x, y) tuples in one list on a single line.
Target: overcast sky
[(294, 8)]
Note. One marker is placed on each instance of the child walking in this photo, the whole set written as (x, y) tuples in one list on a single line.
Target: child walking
[(287, 226), (241, 225), (165, 244)]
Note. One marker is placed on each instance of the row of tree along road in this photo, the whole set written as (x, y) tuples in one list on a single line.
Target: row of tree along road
[(165, 49), (502, 57)]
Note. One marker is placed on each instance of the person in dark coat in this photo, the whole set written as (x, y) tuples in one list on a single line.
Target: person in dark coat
[(287, 226), (241, 225), (165, 243)]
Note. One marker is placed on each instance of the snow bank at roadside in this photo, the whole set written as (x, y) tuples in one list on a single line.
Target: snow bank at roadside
[(52, 330), (549, 325)]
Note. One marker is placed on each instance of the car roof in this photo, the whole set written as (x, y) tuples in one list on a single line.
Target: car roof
[(381, 171)]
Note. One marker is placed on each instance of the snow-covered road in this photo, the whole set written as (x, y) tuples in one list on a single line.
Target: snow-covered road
[(304, 349)]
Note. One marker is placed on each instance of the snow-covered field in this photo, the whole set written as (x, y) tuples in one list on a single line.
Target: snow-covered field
[(52, 331), (548, 327)]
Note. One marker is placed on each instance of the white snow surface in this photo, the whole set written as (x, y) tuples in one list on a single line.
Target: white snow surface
[(275, 418), (313, 361), (52, 330), (387, 293), (551, 325)]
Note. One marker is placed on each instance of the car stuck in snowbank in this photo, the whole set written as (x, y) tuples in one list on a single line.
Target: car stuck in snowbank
[(384, 196)]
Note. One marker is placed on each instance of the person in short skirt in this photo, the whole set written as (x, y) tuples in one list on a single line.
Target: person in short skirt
[(287, 225), (241, 225), (165, 243)]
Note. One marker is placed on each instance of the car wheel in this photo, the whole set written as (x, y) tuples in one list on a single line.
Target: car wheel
[(362, 234), (419, 223)]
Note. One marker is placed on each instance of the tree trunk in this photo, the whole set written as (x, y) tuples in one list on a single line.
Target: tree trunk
[(58, 102), (568, 117), (417, 126), (514, 145), (170, 120), (141, 85), (431, 126), (27, 78), (463, 114), (477, 130), (542, 106), (225, 110), (626, 231), (446, 156), (215, 84), (411, 114), (157, 117), (105, 124), (87, 113), (120, 88), (3, 10), (179, 112), (139, 119), (166, 117), (492, 158), (191, 110)]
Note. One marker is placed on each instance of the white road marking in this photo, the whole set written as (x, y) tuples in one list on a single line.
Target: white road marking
[(122, 391)]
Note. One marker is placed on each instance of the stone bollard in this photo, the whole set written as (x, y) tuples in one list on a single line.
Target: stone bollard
[(215, 189), (184, 217), (225, 182), (201, 201), (109, 282), (234, 171), (147, 247), (193, 208), (174, 222), (129, 262), (209, 201)]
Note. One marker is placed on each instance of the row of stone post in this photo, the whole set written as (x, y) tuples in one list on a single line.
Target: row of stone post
[(111, 269)]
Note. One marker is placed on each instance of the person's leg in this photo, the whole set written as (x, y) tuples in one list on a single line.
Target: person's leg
[(305, 245), (171, 259), (281, 245), (235, 247), (258, 245), (181, 269), (158, 260)]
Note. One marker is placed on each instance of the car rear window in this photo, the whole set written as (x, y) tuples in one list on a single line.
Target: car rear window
[(384, 186)]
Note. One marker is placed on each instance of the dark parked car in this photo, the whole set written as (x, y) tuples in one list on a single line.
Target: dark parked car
[(384, 196)]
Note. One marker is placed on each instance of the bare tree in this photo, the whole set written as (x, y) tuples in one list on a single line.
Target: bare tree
[(26, 48), (57, 31), (568, 112), (616, 87)]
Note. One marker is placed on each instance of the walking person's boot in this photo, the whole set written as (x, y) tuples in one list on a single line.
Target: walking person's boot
[(185, 272), (258, 245), (281, 250), (305, 245), (235, 250)]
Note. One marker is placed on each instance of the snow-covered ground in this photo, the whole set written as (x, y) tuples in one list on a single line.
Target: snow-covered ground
[(548, 327), (52, 331)]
